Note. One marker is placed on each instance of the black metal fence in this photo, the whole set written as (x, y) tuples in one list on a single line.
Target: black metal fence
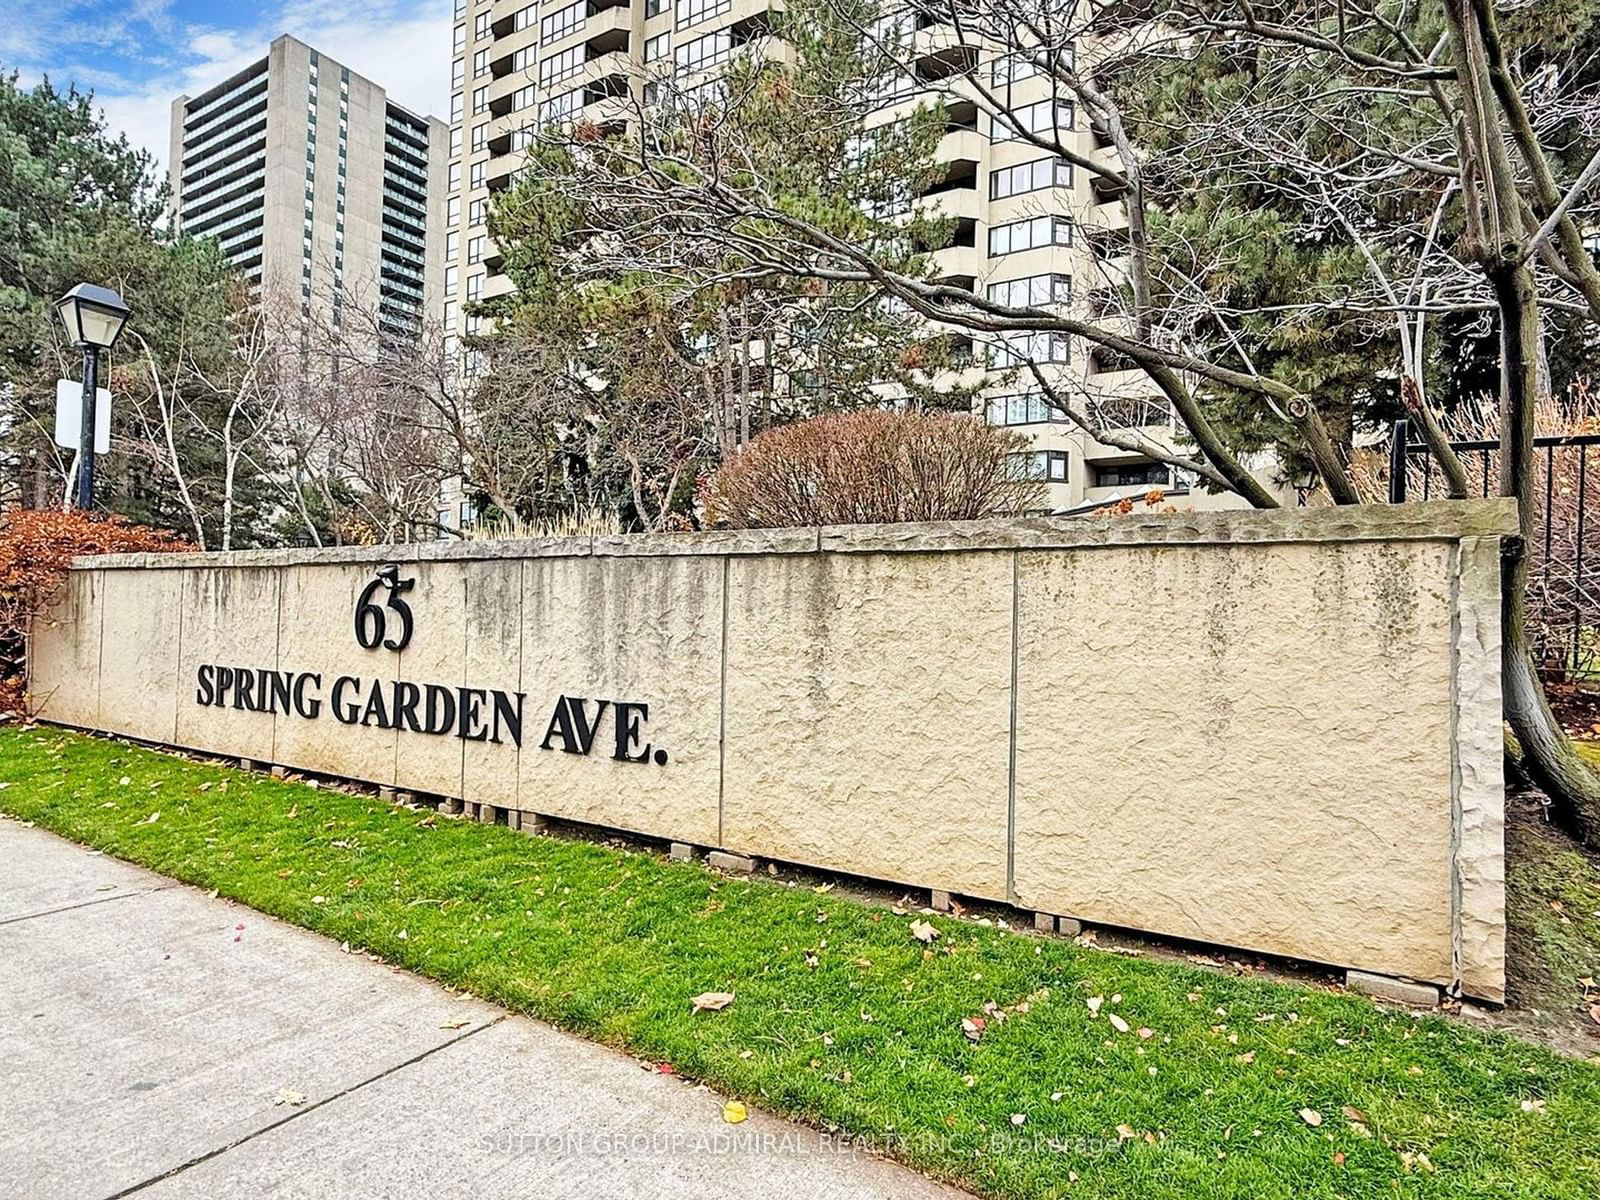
[(1564, 577)]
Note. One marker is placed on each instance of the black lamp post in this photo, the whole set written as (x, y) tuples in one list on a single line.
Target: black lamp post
[(94, 317)]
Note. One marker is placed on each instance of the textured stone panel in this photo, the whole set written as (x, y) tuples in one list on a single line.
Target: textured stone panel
[(139, 654), (427, 762), (1480, 754), (316, 632), (494, 659), (1244, 745), (632, 629), (64, 653), (868, 708), (230, 618)]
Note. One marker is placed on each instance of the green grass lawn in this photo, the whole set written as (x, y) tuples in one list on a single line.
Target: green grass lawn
[(844, 1019)]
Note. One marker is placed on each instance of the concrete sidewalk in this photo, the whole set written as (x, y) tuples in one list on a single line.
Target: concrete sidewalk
[(160, 1043)]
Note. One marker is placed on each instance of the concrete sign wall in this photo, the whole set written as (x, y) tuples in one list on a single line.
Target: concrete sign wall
[(1276, 731)]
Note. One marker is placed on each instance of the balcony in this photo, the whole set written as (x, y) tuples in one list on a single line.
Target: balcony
[(610, 65), (607, 29), (1108, 216), (961, 203), (965, 262)]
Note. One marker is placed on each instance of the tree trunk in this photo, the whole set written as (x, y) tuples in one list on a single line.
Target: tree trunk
[(1547, 755)]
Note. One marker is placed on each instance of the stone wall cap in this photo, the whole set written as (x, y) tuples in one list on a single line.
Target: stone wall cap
[(1435, 520)]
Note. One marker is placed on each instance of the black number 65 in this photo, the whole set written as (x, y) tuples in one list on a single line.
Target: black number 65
[(372, 621)]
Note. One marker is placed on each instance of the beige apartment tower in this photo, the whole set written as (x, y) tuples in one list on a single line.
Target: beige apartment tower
[(1029, 228), (316, 186)]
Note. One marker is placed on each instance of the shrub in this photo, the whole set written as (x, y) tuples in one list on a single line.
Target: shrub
[(36, 548), (873, 466)]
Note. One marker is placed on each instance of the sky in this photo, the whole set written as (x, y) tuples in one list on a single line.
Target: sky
[(138, 55)]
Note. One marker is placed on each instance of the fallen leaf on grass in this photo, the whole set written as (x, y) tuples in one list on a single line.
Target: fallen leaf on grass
[(1095, 1002), (1019, 1118), (1118, 1023), (1126, 1133), (1311, 1117), (711, 1001), (1245, 1059), (923, 931), (1533, 1106), (973, 1027)]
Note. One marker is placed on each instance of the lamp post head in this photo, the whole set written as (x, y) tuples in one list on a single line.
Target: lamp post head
[(93, 316)]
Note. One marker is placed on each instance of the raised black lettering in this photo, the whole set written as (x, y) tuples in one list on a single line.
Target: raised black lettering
[(570, 722), (406, 698), (224, 685), (440, 710), (204, 684), (244, 688), (345, 715), (629, 717), (376, 708), (470, 727), (508, 716), (309, 707), (279, 700)]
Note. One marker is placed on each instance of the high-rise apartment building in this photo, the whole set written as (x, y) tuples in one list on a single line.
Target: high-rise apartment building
[(1029, 228), (316, 185)]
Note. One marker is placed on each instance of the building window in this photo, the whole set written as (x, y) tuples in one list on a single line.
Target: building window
[(460, 43), (1049, 465), (657, 46), (1032, 291), (654, 8), (692, 12), (1017, 236), (480, 26), (480, 101), (458, 72), (452, 280), (561, 22), (524, 17), (480, 137), (475, 249), (1021, 408), (480, 63), (1014, 68), (1018, 348), (474, 288), (522, 98), (455, 177), (560, 107), (560, 67), (452, 210), (705, 52), (1028, 177), (458, 107), (1133, 474), (1046, 118), (477, 212), (455, 140)]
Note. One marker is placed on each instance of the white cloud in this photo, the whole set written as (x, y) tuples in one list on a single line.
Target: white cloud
[(401, 45)]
